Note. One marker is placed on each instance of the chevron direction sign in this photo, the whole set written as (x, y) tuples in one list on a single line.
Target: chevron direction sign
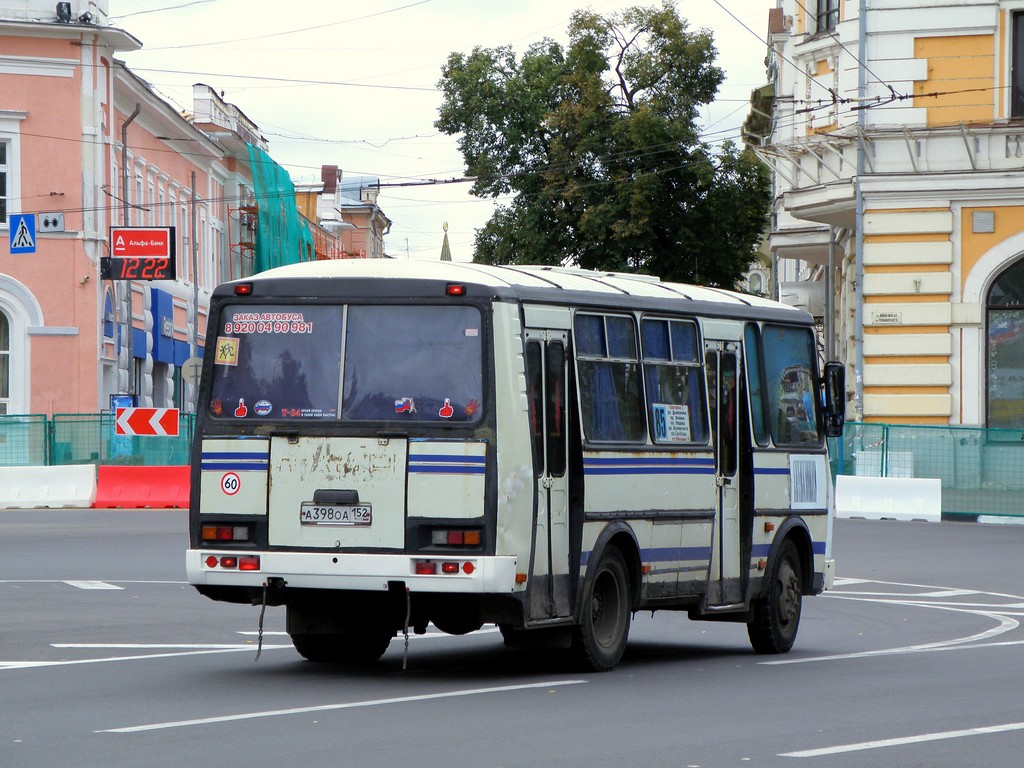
[(147, 421)]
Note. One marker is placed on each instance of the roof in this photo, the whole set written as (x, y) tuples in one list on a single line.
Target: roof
[(536, 283)]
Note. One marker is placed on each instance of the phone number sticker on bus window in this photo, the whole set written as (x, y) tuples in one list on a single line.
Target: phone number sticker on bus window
[(335, 514), (268, 322)]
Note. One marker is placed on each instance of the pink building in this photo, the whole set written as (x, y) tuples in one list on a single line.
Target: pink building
[(85, 145)]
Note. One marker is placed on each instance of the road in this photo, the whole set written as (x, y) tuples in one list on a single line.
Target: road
[(108, 659)]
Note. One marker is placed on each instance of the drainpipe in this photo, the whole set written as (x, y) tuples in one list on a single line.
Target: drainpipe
[(132, 384), (858, 321)]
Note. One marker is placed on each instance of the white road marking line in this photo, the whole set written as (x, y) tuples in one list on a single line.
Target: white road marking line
[(883, 743), (334, 707), (92, 585), (428, 635), (154, 646), (7, 665)]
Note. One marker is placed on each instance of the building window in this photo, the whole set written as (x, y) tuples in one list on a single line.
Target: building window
[(1017, 67), (1005, 323), (3, 181), (5, 362), (828, 15)]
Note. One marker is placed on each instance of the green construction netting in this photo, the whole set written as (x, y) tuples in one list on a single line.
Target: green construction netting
[(282, 236)]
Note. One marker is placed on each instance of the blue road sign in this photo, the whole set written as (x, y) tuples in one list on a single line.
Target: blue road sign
[(23, 232)]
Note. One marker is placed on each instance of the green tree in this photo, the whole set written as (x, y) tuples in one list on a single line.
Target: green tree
[(597, 145)]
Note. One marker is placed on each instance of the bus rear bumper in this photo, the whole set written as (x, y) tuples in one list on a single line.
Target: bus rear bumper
[(316, 570)]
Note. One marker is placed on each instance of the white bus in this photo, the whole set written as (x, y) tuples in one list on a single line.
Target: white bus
[(385, 444)]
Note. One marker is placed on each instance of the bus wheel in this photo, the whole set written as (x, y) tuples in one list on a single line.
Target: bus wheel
[(600, 639), (777, 612), (362, 647)]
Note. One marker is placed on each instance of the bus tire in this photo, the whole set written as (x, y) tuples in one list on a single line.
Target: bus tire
[(776, 613), (363, 647), (600, 639)]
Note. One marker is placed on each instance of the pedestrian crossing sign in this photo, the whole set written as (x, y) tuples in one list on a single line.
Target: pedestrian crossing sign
[(22, 233)]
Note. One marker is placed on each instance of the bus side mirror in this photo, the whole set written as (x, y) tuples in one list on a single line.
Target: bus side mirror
[(835, 399)]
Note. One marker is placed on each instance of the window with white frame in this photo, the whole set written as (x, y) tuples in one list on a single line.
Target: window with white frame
[(828, 15), (5, 363), (10, 163), (4, 169), (1017, 66)]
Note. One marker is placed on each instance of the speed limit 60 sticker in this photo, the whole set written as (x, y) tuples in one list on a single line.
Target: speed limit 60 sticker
[(230, 483)]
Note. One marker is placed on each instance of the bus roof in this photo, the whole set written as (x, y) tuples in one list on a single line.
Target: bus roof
[(529, 282)]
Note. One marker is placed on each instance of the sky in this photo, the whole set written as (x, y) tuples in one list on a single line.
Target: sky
[(355, 84)]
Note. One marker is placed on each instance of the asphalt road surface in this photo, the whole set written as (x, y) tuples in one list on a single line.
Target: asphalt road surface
[(108, 659)]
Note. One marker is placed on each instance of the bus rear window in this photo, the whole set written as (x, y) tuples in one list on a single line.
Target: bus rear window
[(277, 361), (413, 363), (401, 363)]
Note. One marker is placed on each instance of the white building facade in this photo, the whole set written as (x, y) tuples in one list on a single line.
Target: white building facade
[(896, 142)]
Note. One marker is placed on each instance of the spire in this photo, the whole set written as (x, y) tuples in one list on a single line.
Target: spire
[(446, 251)]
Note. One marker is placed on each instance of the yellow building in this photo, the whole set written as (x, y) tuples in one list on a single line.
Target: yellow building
[(896, 141)]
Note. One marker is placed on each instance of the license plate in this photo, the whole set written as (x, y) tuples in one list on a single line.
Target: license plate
[(335, 514)]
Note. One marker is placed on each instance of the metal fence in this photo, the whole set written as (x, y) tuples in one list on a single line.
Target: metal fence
[(982, 470), (87, 438)]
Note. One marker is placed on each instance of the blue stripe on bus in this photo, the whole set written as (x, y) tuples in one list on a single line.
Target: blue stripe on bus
[(771, 470), (252, 455), (453, 459), (655, 465), (653, 460), (664, 554), (436, 469), (762, 550), (677, 554), (240, 466)]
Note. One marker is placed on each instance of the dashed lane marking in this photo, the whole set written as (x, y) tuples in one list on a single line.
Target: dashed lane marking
[(92, 585), (899, 742)]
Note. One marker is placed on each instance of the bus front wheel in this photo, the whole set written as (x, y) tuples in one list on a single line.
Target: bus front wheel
[(777, 612), (600, 639)]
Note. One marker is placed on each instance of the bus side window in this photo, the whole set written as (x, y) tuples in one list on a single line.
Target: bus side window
[(789, 375), (675, 390), (534, 393), (609, 378), (755, 380)]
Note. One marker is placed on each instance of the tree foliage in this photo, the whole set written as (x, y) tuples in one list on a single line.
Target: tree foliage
[(596, 144)]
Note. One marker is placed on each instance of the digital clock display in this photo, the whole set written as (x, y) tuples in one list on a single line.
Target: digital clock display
[(137, 268)]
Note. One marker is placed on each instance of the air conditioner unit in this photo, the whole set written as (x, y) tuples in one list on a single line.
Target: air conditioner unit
[(807, 296)]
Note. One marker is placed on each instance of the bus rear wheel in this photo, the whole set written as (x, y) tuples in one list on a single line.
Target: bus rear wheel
[(600, 639), (361, 647), (776, 616)]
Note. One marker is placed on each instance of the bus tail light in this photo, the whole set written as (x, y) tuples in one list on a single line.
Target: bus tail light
[(447, 567), (224, 533), (455, 538), (243, 289), (233, 562)]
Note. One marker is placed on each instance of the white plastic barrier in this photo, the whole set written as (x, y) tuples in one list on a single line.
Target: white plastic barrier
[(889, 498), (72, 485)]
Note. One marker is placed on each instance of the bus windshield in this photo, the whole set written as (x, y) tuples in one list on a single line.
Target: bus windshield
[(401, 363)]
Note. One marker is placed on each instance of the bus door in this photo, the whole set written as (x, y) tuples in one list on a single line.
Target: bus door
[(546, 379), (725, 582)]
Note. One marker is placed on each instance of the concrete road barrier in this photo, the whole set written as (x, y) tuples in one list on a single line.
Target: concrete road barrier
[(156, 487), (889, 498), (71, 485)]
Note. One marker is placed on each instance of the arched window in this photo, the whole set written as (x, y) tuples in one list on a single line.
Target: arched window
[(5, 362), (1005, 323)]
